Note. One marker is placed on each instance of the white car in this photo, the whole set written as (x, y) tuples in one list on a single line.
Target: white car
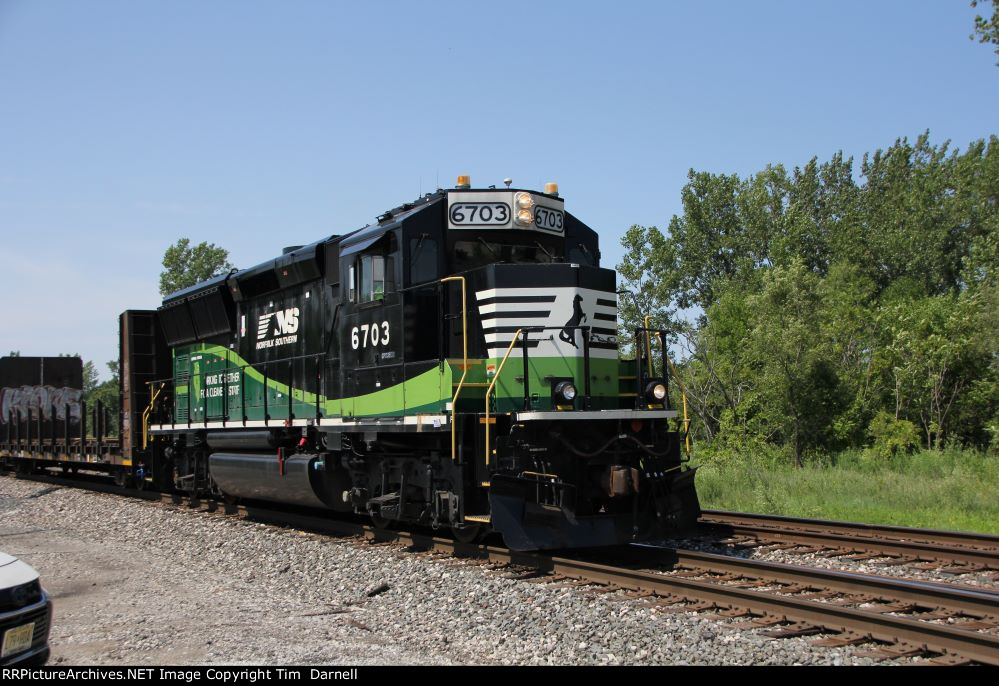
[(25, 614)]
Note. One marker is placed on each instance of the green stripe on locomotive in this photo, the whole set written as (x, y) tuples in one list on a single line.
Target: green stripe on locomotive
[(224, 386), (222, 383), (508, 392)]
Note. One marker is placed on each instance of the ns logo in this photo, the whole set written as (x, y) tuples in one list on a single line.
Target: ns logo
[(286, 322)]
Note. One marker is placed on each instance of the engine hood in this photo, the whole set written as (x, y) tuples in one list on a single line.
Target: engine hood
[(14, 572)]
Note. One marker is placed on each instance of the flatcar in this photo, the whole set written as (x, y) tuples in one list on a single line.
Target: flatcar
[(453, 364)]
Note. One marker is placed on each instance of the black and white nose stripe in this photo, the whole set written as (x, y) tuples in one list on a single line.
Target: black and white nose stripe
[(505, 310)]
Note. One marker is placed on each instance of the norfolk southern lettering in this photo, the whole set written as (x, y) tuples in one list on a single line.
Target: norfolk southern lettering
[(283, 322)]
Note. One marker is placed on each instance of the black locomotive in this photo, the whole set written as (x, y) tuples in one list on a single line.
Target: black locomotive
[(454, 364)]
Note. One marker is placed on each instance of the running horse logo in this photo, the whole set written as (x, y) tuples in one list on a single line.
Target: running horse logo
[(568, 334)]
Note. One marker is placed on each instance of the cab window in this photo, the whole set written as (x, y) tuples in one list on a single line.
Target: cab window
[(372, 277), (422, 259), (471, 254)]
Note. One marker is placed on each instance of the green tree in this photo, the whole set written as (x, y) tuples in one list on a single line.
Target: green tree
[(717, 372), (798, 392), (807, 305), (645, 274), (184, 265), (847, 298), (934, 353), (987, 29)]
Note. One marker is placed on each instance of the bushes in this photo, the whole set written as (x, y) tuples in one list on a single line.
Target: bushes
[(892, 437)]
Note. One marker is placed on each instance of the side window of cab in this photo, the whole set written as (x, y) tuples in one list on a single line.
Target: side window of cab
[(372, 274), (371, 278)]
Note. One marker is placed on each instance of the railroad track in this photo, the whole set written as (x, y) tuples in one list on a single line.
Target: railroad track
[(927, 548), (896, 617)]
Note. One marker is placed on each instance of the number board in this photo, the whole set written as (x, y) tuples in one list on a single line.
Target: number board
[(494, 209), (479, 214), (549, 219)]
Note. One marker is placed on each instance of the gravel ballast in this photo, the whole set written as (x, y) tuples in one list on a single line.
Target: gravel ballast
[(137, 582), (878, 566)]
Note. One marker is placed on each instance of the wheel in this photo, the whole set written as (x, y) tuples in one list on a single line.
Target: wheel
[(467, 533)]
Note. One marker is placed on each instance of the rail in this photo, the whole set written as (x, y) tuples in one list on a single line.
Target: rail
[(148, 411), (230, 385), (489, 390), (676, 375), (640, 378), (899, 545), (527, 330)]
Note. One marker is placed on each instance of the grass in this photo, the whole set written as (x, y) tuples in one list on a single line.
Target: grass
[(949, 489)]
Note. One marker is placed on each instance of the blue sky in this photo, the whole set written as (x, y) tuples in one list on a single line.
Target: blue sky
[(255, 125)]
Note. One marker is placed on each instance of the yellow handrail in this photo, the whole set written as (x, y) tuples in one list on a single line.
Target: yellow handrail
[(145, 416), (496, 377), (683, 394), (464, 365), (648, 345), (683, 391), (686, 423)]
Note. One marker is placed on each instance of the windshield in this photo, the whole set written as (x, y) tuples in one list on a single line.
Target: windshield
[(470, 254)]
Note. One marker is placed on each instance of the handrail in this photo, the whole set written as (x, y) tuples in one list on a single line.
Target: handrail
[(639, 378), (464, 365), (241, 368), (496, 377), (683, 392), (648, 345), (145, 415), (586, 358)]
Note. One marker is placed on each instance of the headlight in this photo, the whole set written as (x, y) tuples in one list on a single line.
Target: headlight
[(523, 203), (655, 391), (566, 390)]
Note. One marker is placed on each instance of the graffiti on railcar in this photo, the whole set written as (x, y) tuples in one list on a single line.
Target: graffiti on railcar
[(40, 399)]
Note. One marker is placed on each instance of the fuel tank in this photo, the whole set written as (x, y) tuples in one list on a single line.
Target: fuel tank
[(249, 440), (264, 476)]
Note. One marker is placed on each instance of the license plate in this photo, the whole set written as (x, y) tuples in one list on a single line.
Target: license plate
[(17, 640)]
